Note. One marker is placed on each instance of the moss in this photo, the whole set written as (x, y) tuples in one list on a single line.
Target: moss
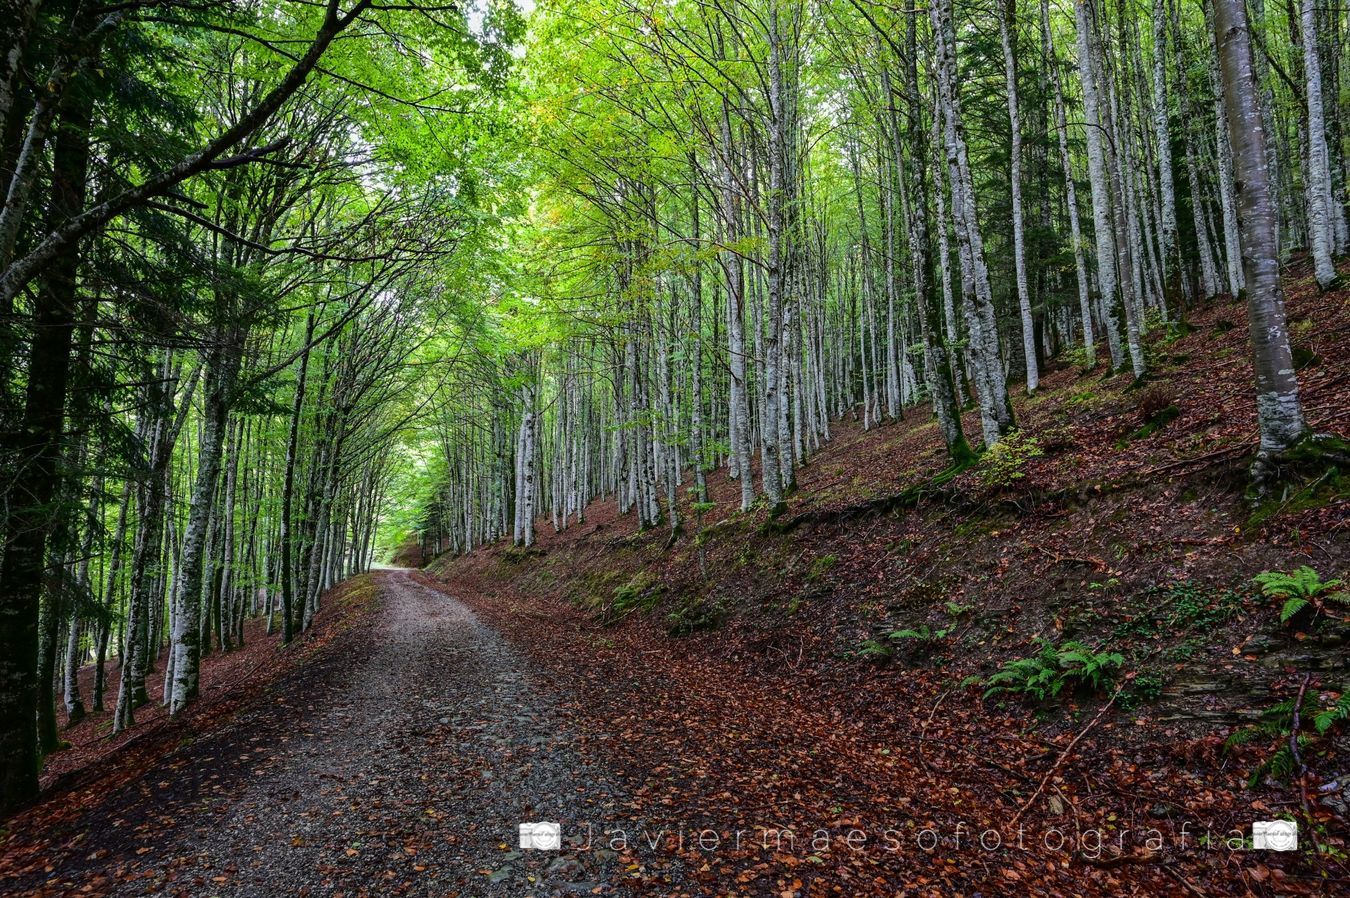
[(519, 554), (1317, 458), (976, 526), (1332, 486), (640, 592), (821, 566)]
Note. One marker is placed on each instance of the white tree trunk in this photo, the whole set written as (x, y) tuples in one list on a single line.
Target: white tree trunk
[(1170, 264), (977, 299), (1071, 191), (1278, 410), (1317, 179), (1102, 225), (1008, 21), (187, 592)]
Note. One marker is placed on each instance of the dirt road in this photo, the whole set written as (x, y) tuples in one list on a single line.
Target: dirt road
[(402, 766)]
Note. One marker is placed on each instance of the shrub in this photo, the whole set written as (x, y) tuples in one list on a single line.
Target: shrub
[(1301, 589), (1003, 463), (1053, 669), (1077, 358)]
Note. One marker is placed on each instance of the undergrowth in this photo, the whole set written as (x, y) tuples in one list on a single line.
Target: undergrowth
[(1277, 723), (1045, 675)]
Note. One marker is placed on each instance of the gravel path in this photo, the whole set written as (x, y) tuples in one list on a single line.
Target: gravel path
[(405, 769)]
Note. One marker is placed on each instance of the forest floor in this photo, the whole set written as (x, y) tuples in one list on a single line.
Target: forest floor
[(766, 694), (752, 730)]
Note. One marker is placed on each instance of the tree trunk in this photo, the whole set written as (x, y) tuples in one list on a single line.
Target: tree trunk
[(187, 594), (1007, 24), (1278, 410), (287, 536), (1103, 227), (977, 299), (938, 371), (1317, 179), (1070, 190), (38, 443), (1171, 255)]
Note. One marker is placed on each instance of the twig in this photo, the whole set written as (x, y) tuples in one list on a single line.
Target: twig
[(1208, 457), (1298, 761), (979, 757), (1119, 860), (1081, 559), (1064, 756), (923, 730), (1190, 886)]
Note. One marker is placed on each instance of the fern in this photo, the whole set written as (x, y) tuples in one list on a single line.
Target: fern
[(1054, 668), (1300, 589), (874, 650), (1277, 722), (1337, 714), (1293, 605)]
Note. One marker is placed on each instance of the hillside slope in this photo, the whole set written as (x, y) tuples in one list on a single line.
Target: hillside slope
[(863, 611)]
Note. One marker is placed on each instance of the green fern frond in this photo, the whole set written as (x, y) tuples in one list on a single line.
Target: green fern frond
[(1338, 713), (1292, 606)]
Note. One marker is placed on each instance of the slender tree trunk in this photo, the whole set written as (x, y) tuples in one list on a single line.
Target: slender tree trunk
[(286, 536), (1131, 297), (1317, 178), (1224, 156), (772, 473), (110, 599), (1278, 410), (1171, 254), (941, 387), (1007, 24), (977, 299), (187, 593), (1070, 190), (1102, 213), (739, 409)]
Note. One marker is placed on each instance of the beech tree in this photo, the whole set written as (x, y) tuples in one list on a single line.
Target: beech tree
[(1278, 409)]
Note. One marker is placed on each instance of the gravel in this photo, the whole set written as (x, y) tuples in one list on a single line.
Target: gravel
[(403, 769)]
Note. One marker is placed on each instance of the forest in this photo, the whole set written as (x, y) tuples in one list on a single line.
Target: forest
[(963, 374)]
